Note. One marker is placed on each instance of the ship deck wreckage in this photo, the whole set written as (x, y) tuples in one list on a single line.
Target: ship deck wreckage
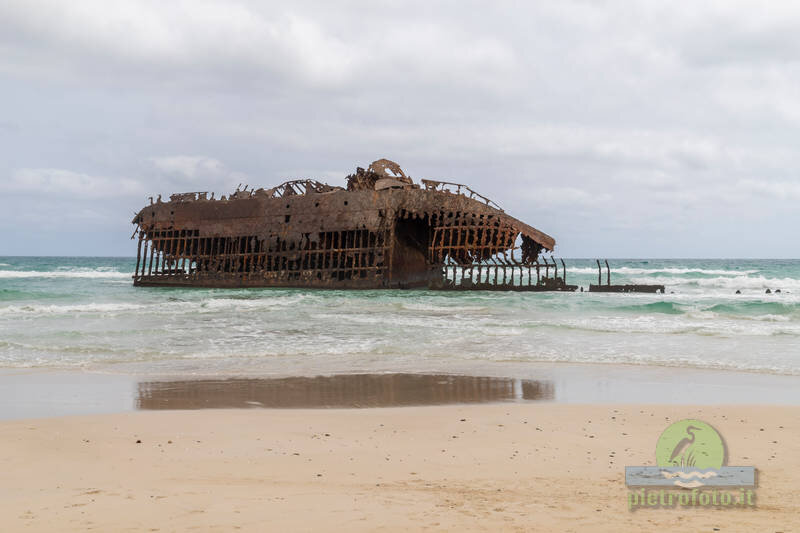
[(381, 231)]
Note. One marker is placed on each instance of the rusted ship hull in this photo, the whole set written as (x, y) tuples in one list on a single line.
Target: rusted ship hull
[(381, 233)]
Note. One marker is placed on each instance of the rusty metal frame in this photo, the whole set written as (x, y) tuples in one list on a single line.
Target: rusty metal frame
[(305, 233), (457, 188)]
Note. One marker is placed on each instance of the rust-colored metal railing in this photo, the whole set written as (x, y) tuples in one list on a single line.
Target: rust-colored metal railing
[(458, 188), (331, 255)]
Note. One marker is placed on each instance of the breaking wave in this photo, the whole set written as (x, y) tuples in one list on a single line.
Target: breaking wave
[(667, 308), (755, 308), (68, 309), (657, 271), (728, 283), (78, 273)]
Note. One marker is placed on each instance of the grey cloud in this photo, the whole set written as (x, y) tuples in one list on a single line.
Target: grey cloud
[(8, 127), (614, 126), (195, 171), (60, 182), (185, 42)]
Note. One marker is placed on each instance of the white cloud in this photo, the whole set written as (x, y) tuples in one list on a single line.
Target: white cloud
[(185, 39), (773, 190), (197, 172), (173, 174), (188, 166), (55, 181)]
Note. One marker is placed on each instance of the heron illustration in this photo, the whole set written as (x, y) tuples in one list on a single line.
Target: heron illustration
[(683, 446)]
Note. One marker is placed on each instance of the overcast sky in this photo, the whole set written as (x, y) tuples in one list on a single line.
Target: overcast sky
[(622, 129)]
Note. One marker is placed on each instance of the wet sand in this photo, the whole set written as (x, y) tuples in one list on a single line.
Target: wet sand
[(30, 394), (507, 466)]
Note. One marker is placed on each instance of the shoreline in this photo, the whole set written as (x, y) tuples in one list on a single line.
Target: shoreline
[(37, 393), (513, 466)]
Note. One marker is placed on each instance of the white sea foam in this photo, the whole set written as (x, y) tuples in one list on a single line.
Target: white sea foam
[(38, 309), (653, 271), (731, 283), (176, 309), (767, 325), (436, 308), (82, 273), (254, 304), (768, 318)]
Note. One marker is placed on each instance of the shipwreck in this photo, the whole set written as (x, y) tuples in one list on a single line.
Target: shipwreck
[(382, 230)]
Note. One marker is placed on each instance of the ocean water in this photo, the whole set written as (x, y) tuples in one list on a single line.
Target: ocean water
[(83, 313)]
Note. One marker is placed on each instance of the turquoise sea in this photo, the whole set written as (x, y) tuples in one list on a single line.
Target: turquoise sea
[(84, 313)]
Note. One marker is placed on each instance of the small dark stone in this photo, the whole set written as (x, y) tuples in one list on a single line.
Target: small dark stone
[(138, 441), (769, 291), (738, 291), (777, 291)]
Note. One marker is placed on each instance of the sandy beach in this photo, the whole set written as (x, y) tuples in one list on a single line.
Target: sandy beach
[(513, 466)]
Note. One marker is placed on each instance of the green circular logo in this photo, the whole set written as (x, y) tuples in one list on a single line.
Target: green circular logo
[(690, 443)]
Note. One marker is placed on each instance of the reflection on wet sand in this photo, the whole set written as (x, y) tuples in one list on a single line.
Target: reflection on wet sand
[(352, 390)]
